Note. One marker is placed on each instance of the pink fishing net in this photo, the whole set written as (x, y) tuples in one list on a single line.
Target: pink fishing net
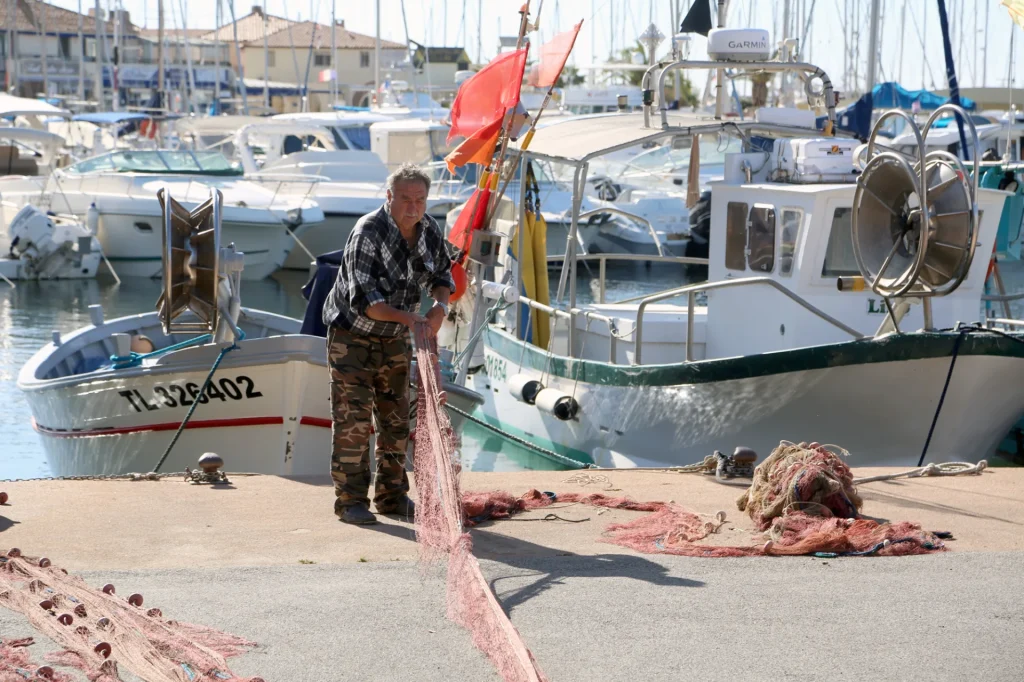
[(440, 529), (101, 631)]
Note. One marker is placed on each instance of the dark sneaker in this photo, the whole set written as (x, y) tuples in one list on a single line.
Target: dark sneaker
[(356, 514), (402, 507)]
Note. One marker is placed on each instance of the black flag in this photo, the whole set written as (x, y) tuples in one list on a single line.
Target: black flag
[(698, 19)]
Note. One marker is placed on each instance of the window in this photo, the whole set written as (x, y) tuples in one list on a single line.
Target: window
[(839, 258), (64, 48), (791, 219), (364, 60), (761, 238), (735, 235), (321, 60)]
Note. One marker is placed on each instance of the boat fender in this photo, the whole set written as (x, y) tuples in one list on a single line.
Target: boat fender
[(553, 401), (524, 389)]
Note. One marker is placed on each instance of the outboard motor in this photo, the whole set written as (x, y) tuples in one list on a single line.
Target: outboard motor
[(700, 227)]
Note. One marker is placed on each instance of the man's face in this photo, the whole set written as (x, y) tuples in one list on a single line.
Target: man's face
[(407, 203)]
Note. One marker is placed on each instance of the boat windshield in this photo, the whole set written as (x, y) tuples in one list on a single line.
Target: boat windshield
[(158, 161)]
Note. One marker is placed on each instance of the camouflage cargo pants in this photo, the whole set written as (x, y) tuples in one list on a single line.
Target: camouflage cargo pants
[(369, 379)]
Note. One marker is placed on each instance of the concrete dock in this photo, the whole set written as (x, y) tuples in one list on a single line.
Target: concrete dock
[(265, 558)]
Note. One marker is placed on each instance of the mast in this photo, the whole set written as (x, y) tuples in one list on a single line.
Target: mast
[(238, 58), (376, 57), (266, 59), (873, 46), (334, 55), (218, 20), (81, 56), (160, 52), (984, 47), (98, 42), (479, 32), (43, 49), (903, 22)]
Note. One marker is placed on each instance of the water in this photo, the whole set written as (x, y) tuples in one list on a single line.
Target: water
[(31, 312)]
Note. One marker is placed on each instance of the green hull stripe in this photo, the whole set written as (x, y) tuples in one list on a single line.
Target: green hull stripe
[(893, 348), (558, 448)]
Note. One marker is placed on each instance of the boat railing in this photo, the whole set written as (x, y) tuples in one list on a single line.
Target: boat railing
[(629, 216), (602, 265), (572, 314)]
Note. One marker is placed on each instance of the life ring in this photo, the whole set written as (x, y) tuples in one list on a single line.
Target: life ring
[(148, 128)]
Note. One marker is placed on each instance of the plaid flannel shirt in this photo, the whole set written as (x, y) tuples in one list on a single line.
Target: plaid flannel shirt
[(379, 266)]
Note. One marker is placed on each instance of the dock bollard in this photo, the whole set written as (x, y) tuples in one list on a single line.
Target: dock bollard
[(210, 462)]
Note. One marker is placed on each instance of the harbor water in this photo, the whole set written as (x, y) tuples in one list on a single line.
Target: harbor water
[(30, 313)]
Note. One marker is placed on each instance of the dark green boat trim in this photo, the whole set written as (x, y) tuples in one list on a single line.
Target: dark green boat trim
[(892, 348)]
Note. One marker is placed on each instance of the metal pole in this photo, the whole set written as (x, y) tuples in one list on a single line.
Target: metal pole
[(334, 56), (81, 56), (44, 49), (479, 32), (873, 46), (720, 73), (218, 20), (266, 60), (984, 44), (161, 90), (238, 57), (99, 57), (9, 70), (376, 57)]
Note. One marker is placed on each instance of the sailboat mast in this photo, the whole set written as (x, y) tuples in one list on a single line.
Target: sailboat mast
[(266, 60), (873, 46), (376, 57), (984, 47), (160, 53), (98, 42), (43, 50), (218, 20), (238, 58), (81, 56), (334, 54)]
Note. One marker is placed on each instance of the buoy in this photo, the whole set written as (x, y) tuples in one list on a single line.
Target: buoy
[(66, 619), (46, 605), (44, 562), (103, 649), (45, 672), (135, 599), (461, 281), (554, 402), (108, 589), (3, 497), (103, 623), (14, 552), (154, 613), (80, 611)]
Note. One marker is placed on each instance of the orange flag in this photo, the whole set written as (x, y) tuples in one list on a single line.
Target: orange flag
[(484, 98), (471, 218), (553, 55)]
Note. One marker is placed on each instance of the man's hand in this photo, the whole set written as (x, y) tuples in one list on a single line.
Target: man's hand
[(435, 316), (410, 320)]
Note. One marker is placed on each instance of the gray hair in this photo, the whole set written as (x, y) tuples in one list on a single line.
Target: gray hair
[(407, 172)]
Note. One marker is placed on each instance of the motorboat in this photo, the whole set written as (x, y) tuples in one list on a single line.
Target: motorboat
[(209, 376)]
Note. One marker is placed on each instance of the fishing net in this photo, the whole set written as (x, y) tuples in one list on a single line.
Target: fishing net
[(100, 631), (441, 533), (802, 498)]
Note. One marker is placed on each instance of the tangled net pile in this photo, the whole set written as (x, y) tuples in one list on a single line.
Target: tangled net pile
[(440, 531), (99, 631), (802, 497)]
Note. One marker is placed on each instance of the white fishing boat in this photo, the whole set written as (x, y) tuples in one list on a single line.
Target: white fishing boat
[(99, 408), (818, 271), (117, 191)]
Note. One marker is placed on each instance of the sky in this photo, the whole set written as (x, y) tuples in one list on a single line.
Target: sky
[(905, 26)]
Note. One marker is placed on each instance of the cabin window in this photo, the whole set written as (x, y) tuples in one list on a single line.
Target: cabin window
[(364, 60), (736, 235), (791, 219), (761, 238), (839, 258)]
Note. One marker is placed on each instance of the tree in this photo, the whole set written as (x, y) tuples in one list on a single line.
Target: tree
[(570, 76)]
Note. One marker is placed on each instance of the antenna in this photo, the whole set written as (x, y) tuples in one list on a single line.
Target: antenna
[(915, 219), (190, 264)]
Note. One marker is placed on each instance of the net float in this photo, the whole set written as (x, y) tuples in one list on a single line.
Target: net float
[(14, 552), (66, 619), (108, 589), (103, 649), (154, 613), (46, 604), (103, 623), (80, 611), (44, 562), (3, 497), (45, 672), (135, 599)]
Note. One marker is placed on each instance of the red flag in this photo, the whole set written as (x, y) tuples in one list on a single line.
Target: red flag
[(477, 148), (471, 218), (553, 55), (486, 96)]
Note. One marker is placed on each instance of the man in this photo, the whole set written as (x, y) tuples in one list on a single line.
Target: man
[(391, 256)]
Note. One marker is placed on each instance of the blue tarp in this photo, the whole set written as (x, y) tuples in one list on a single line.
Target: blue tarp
[(895, 96), (106, 118)]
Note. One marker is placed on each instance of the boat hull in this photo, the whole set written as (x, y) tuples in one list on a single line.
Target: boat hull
[(875, 398)]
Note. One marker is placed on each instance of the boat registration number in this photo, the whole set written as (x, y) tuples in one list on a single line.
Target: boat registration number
[(496, 368), (185, 395)]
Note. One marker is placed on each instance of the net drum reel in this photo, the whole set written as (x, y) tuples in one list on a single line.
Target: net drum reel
[(915, 219), (191, 267)]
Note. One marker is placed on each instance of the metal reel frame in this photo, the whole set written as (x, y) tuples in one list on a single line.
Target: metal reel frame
[(909, 281), (202, 225)]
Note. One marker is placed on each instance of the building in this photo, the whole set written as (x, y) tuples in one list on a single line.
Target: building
[(436, 68)]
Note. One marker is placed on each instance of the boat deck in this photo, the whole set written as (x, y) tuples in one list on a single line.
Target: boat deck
[(266, 559)]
